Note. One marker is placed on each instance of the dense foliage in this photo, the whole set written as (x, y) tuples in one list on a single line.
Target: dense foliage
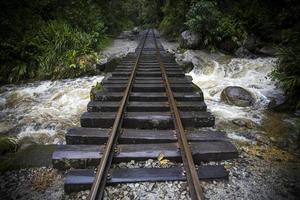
[(54, 39), (213, 26), (174, 17), (228, 24), (42, 39), (287, 70)]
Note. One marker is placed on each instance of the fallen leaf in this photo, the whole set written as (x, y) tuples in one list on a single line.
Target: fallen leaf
[(161, 159)]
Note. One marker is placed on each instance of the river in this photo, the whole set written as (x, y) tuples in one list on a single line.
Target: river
[(42, 111)]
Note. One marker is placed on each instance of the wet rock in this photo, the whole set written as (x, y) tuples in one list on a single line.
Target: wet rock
[(276, 103), (26, 142), (130, 35), (8, 144), (228, 45), (235, 95), (267, 50), (109, 65), (251, 43), (242, 52), (189, 40), (244, 123), (189, 78), (136, 30), (187, 66)]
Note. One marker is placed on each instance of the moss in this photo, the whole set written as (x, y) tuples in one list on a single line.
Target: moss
[(8, 144), (32, 156), (95, 88)]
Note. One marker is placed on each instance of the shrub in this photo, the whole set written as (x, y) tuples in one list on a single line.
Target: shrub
[(287, 70), (228, 27), (213, 26), (174, 17), (61, 50), (51, 38)]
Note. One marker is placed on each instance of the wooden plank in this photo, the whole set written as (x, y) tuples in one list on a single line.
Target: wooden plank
[(141, 106), (82, 179), (147, 120), (138, 136), (148, 74), (81, 156), (161, 120), (156, 87)]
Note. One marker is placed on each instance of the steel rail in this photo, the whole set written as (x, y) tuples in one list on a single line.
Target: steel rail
[(99, 183), (196, 191)]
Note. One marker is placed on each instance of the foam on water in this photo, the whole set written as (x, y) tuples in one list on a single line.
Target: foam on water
[(44, 110), (214, 72)]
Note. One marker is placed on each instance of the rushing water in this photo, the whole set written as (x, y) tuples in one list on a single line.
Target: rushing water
[(44, 110), (215, 71)]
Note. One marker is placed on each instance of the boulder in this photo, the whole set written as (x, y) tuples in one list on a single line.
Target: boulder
[(267, 50), (235, 95), (248, 123), (135, 30), (127, 35), (26, 142), (189, 78), (228, 45), (251, 43), (189, 40), (109, 65), (242, 52), (187, 66), (8, 144)]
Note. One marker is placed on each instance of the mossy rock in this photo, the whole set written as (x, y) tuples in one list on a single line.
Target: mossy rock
[(238, 96), (8, 144), (96, 88), (33, 156), (187, 67)]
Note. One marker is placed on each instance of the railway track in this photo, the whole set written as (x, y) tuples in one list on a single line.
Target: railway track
[(147, 107)]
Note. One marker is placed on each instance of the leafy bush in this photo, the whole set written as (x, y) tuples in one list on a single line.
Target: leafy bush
[(228, 27), (50, 38), (174, 17), (287, 70), (203, 19), (213, 26), (61, 50)]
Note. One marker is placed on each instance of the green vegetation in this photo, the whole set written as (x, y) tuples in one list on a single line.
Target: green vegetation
[(287, 71), (8, 144), (213, 26), (174, 17), (95, 88), (228, 25), (52, 39), (32, 156)]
